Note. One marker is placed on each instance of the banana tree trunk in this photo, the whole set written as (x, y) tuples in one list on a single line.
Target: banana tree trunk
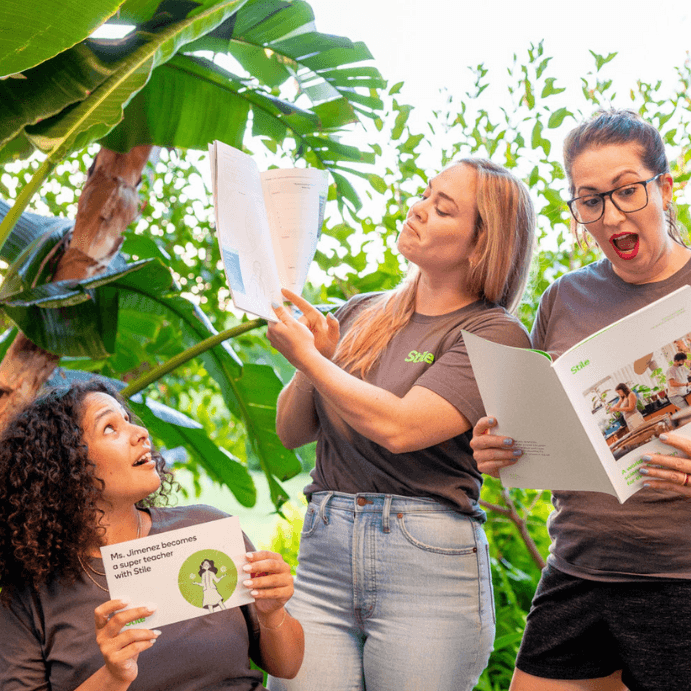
[(107, 205)]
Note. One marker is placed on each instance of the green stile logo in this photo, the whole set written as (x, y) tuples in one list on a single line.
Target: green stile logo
[(579, 366), (414, 356)]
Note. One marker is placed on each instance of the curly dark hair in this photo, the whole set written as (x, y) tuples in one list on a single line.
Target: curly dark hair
[(212, 568), (48, 492)]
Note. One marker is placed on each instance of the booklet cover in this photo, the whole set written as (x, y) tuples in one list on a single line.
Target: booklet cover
[(267, 225), (558, 412), (186, 573)]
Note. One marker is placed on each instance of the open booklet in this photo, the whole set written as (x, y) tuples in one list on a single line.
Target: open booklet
[(267, 225), (186, 573), (560, 414)]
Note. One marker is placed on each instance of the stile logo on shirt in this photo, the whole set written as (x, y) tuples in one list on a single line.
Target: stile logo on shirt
[(414, 356)]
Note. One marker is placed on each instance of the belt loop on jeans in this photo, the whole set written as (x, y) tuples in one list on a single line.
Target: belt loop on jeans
[(385, 513), (322, 508)]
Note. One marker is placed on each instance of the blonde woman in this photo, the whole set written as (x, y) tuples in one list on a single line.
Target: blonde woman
[(393, 587)]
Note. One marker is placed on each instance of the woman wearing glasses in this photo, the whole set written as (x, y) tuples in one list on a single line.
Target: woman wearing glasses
[(613, 607)]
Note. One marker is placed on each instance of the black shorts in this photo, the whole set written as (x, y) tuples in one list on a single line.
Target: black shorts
[(581, 629)]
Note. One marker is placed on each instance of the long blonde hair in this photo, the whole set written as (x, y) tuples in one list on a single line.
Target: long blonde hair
[(504, 235)]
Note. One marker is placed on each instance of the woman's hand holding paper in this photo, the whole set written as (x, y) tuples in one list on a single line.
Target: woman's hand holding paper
[(297, 339), (269, 579), (670, 472), (120, 646), (491, 451)]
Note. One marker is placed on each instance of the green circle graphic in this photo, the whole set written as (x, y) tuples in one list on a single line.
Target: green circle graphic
[(190, 582)]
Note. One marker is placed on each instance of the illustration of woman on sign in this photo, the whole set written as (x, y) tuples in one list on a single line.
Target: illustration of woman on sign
[(207, 572)]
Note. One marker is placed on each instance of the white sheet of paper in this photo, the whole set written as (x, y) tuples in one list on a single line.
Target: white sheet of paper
[(295, 201), (522, 390), (547, 408), (175, 571), (243, 232), (267, 226)]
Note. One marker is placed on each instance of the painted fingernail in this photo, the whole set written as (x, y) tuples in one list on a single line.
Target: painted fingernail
[(156, 633), (517, 452), (647, 458), (247, 567), (507, 442), (275, 305), (663, 437), (644, 471), (490, 420), (247, 583), (249, 555), (646, 484), (150, 606), (254, 593)]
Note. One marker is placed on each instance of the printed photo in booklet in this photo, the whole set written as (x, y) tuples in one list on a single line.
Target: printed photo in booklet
[(563, 414)]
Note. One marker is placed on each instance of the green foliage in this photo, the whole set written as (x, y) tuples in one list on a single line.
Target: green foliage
[(41, 29), (149, 87), (357, 252), (286, 536)]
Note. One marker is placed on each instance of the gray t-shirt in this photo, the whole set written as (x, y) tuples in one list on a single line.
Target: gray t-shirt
[(593, 535), (429, 352), (47, 638)]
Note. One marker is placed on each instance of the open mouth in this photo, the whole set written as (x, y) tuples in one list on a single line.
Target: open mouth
[(141, 461), (625, 245)]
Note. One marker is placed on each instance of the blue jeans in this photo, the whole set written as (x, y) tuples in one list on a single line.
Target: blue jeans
[(394, 594)]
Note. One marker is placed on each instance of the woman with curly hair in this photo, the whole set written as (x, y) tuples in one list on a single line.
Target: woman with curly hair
[(76, 473)]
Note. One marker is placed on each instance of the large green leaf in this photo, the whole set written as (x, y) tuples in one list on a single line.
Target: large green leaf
[(157, 115), (32, 31), (82, 123), (75, 318), (28, 230), (48, 88), (96, 115)]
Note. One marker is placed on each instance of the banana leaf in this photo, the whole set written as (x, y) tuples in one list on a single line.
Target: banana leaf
[(79, 318), (41, 29)]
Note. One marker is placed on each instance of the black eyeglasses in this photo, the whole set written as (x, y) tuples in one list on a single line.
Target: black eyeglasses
[(627, 198)]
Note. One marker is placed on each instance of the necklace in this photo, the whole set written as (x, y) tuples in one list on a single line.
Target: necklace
[(99, 573)]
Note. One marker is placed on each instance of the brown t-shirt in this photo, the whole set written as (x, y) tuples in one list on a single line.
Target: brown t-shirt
[(47, 638), (593, 535), (429, 351)]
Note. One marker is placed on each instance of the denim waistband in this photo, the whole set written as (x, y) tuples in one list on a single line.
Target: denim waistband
[(373, 502)]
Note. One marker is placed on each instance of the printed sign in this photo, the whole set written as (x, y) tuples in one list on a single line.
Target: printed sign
[(186, 573)]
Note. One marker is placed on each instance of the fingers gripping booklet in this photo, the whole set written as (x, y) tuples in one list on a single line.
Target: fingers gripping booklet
[(186, 573), (560, 413), (267, 225)]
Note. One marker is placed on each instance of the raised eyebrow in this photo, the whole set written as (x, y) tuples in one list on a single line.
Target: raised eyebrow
[(592, 190), (110, 411)]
